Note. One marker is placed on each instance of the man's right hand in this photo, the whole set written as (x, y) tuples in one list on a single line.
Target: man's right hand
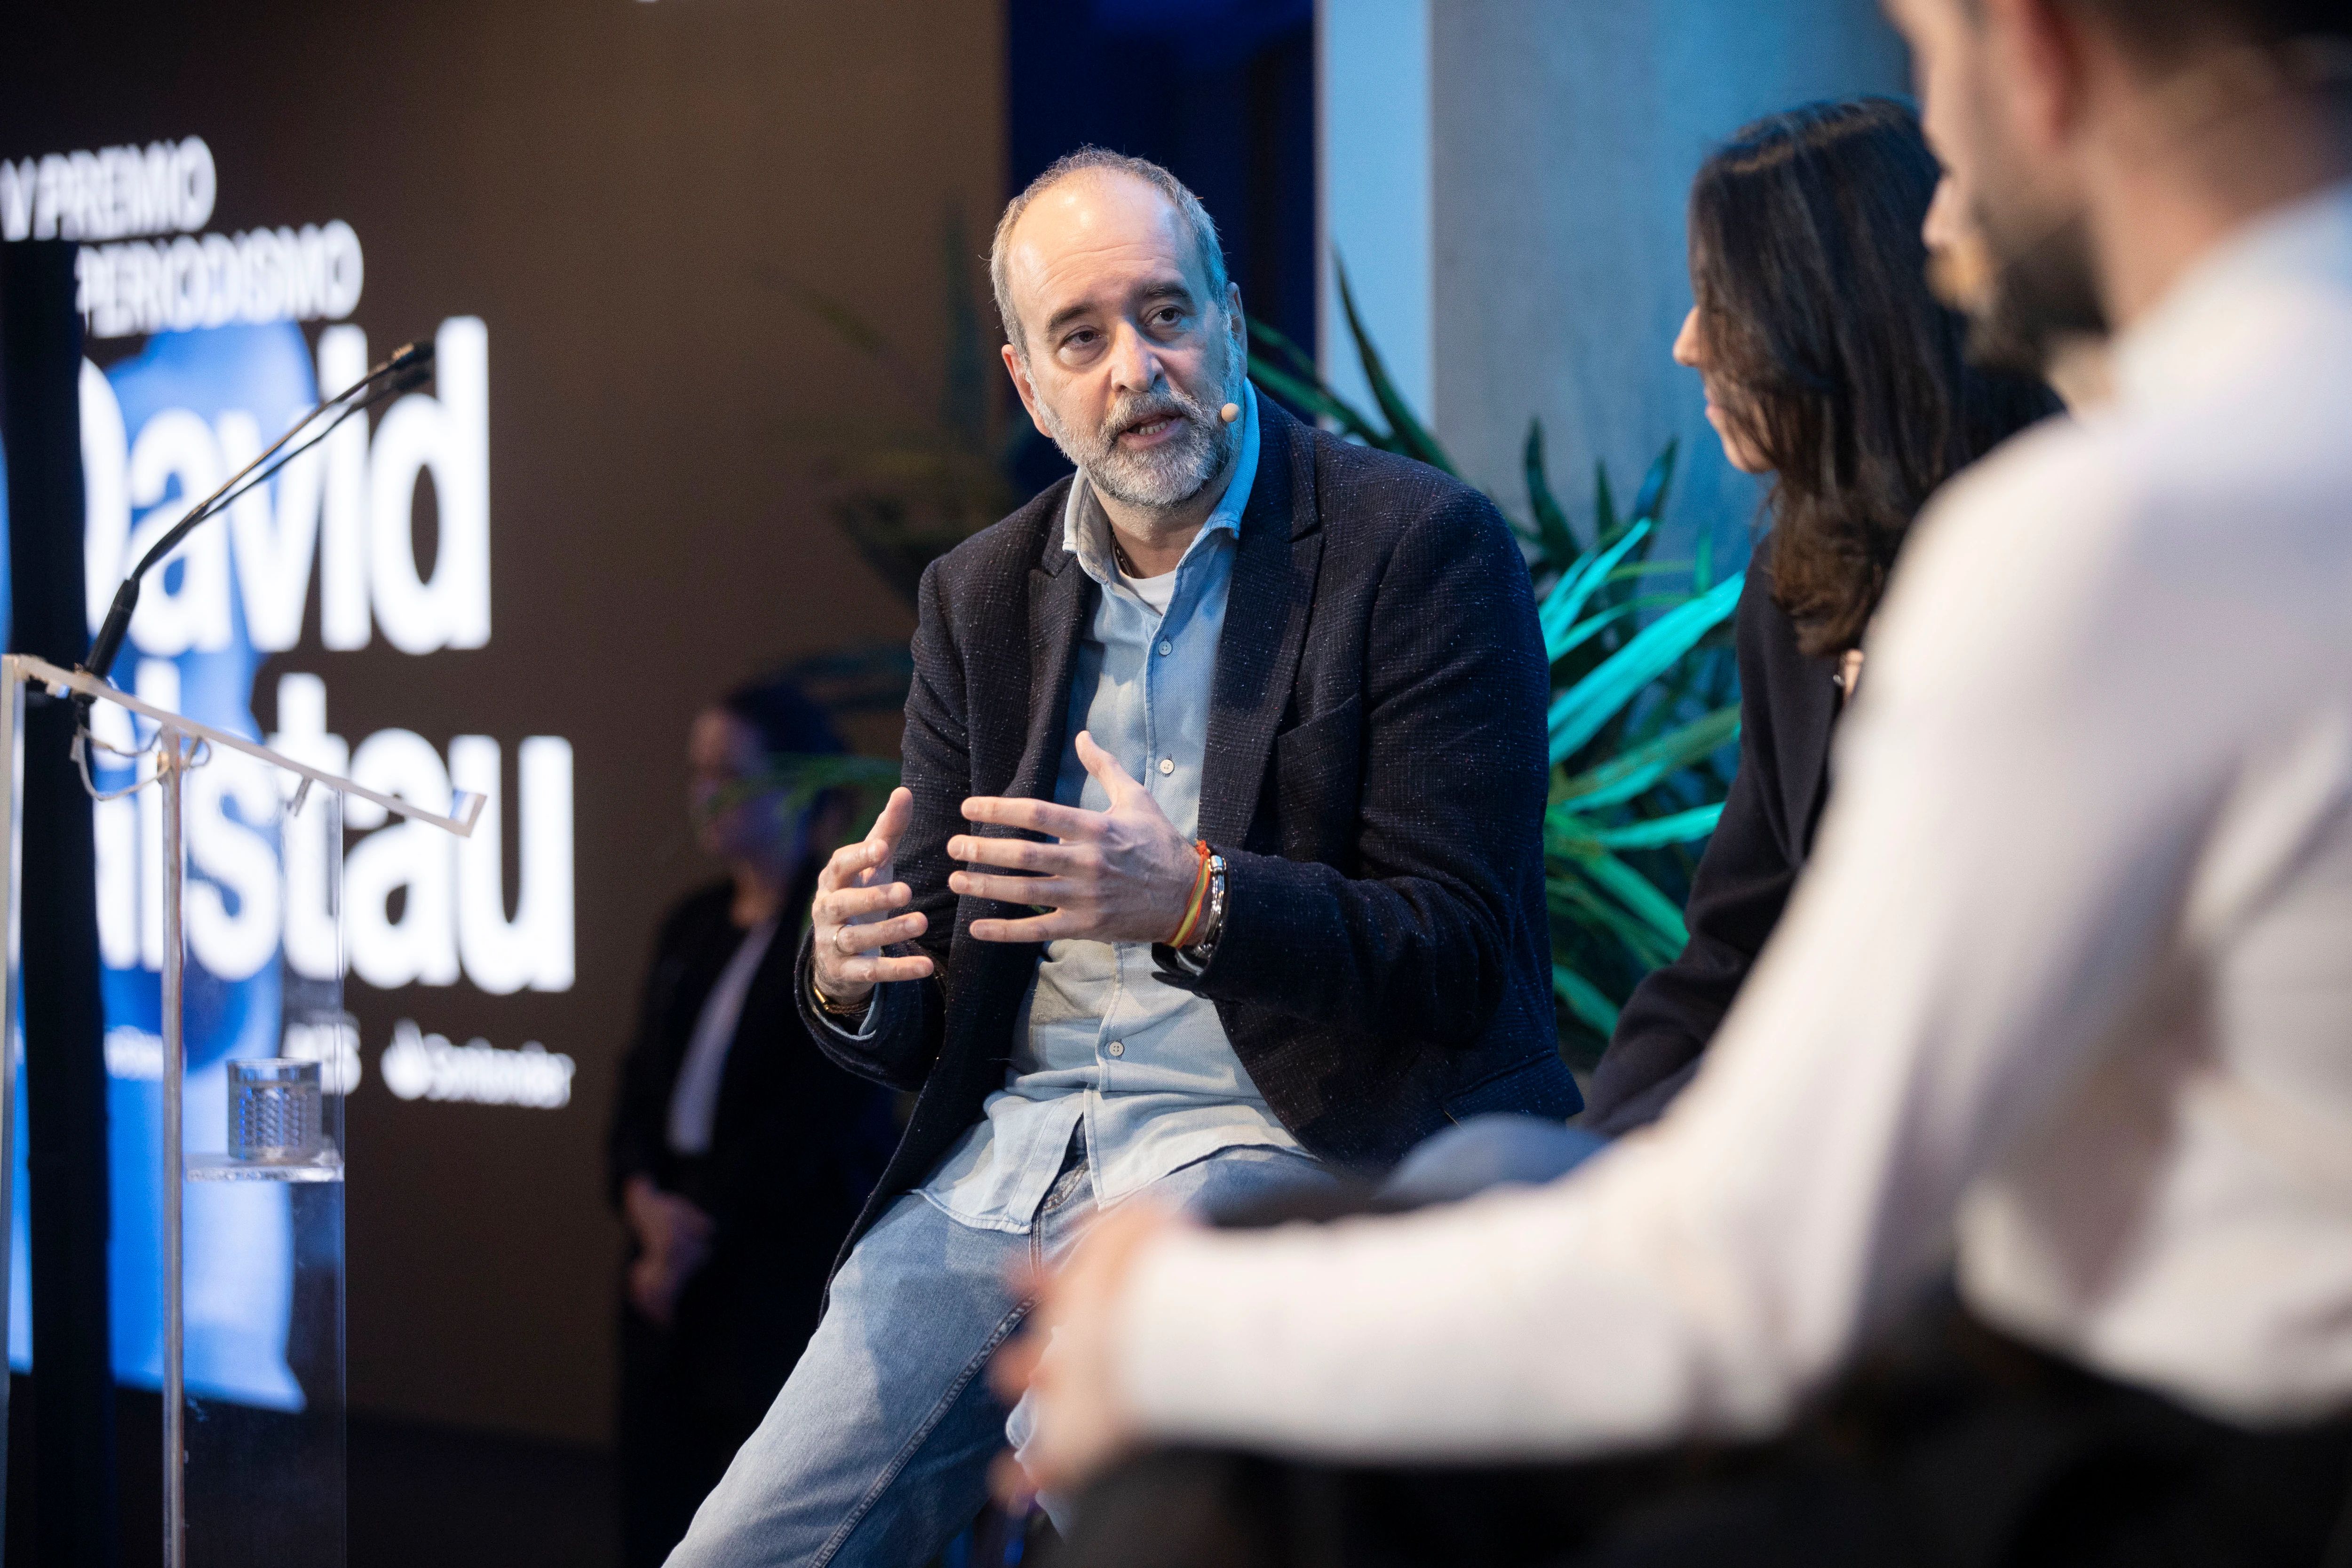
[(853, 913)]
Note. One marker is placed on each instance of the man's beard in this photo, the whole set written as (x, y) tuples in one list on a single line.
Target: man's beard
[(1167, 475), (2042, 293), (2044, 287)]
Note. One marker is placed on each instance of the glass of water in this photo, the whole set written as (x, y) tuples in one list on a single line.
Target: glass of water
[(275, 1116)]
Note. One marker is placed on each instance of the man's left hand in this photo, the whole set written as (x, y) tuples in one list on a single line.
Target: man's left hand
[(1066, 1357), (1120, 875)]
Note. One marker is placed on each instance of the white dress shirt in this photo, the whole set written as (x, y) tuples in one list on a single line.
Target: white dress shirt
[(2065, 997)]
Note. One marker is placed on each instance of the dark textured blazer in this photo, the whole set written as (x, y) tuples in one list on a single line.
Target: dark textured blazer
[(795, 1147), (1788, 704), (1375, 776)]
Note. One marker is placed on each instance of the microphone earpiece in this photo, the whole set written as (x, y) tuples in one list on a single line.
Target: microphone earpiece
[(1230, 412)]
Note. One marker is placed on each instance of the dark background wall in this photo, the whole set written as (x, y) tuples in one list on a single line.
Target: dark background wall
[(653, 207)]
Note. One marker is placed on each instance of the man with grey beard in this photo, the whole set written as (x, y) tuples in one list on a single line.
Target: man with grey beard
[(1217, 863)]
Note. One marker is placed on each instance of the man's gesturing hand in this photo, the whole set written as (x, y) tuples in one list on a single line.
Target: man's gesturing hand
[(856, 894), (1120, 875)]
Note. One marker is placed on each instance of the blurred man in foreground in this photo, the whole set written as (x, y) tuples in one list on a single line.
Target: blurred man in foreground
[(2064, 1001)]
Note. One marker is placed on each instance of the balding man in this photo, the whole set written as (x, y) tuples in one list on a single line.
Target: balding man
[(1217, 863)]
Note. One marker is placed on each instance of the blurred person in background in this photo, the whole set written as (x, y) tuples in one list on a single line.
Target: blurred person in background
[(739, 1154), (2060, 1007)]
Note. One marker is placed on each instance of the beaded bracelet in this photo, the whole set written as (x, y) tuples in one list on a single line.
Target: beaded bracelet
[(1200, 894), (1193, 959)]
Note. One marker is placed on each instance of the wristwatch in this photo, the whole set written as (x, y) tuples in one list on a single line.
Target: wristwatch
[(847, 1012), (1194, 957)]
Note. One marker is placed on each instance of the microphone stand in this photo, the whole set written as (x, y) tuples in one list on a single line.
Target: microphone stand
[(406, 370)]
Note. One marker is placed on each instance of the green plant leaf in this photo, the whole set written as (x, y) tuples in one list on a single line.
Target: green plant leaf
[(1579, 900), (965, 390), (1636, 771), (1682, 827), (1283, 368), (1639, 895), (1650, 501), (1584, 1001), (1578, 714), (1319, 401), (1558, 540), (1585, 630), (1604, 505), (865, 338), (1673, 700), (1575, 901), (1569, 596), (1412, 439), (1298, 360), (852, 328)]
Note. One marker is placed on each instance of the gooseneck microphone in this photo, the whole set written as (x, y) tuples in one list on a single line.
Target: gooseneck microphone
[(407, 369)]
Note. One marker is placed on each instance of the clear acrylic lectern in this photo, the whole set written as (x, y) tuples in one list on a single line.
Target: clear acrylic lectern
[(256, 1138)]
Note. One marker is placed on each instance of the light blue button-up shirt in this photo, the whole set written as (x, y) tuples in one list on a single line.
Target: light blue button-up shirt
[(1102, 1040)]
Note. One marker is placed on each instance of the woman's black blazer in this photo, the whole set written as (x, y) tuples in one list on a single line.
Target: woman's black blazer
[(1788, 703), (795, 1145)]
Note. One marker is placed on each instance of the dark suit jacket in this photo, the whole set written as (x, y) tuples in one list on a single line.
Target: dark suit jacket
[(1788, 705), (1375, 776), (795, 1147)]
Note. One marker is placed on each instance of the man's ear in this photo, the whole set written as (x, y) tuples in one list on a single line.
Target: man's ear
[(1233, 313), (1021, 384), (2036, 49)]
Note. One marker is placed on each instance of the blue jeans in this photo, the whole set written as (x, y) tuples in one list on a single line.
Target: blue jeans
[(1486, 1152), (877, 1450)]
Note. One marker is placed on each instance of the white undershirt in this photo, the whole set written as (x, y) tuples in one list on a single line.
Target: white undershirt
[(694, 1101), (2062, 1000), (1157, 592)]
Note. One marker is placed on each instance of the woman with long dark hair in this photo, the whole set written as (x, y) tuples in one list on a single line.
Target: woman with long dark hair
[(1830, 366)]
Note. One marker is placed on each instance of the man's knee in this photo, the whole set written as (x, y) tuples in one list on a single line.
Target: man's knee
[(1485, 1152)]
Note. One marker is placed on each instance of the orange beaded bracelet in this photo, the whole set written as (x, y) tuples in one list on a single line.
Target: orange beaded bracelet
[(1200, 895)]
